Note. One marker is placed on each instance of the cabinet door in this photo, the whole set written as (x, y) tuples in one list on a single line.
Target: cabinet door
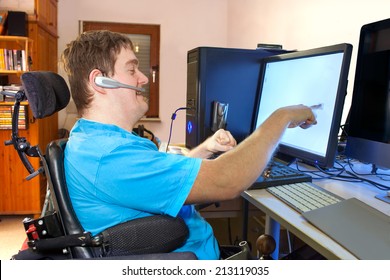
[(52, 53), (47, 14), (19, 195), (52, 15), (46, 51), (42, 61)]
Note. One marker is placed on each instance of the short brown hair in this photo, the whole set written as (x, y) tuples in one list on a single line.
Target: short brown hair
[(91, 50)]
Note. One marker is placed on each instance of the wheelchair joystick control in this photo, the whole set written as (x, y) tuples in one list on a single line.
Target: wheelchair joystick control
[(265, 245)]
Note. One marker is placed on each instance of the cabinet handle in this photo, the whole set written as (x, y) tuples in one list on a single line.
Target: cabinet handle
[(154, 73)]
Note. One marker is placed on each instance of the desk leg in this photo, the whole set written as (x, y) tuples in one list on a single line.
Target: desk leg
[(273, 228), (245, 213)]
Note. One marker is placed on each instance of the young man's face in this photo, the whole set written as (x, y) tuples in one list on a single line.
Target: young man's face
[(127, 72)]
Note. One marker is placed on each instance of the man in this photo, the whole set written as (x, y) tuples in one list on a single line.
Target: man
[(114, 176)]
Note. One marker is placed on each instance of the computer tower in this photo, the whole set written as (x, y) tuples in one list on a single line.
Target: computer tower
[(227, 76)]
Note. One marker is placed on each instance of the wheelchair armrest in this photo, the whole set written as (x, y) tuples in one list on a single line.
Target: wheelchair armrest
[(148, 235)]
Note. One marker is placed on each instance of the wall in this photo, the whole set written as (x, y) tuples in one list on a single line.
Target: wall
[(303, 24), (186, 24)]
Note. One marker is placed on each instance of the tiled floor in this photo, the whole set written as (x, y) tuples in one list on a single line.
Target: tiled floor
[(12, 235)]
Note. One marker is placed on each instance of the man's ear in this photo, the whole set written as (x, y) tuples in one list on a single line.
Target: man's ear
[(92, 75)]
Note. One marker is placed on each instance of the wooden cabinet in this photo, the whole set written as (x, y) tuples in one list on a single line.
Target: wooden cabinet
[(46, 14), (223, 209), (42, 29), (18, 195), (44, 54)]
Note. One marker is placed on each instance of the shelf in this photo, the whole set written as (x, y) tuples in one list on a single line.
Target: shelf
[(15, 38), (8, 103), (18, 49), (23, 42), (16, 72)]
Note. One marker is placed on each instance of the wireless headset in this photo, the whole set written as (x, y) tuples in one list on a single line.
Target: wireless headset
[(111, 83)]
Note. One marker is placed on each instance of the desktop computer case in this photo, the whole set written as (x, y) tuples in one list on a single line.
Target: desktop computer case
[(225, 75)]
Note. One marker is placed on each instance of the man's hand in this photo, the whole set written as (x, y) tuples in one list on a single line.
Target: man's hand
[(221, 141), (302, 116)]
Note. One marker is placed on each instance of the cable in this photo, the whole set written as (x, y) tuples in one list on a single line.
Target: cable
[(351, 176), (173, 117)]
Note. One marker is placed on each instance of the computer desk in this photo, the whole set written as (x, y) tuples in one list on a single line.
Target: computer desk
[(279, 214)]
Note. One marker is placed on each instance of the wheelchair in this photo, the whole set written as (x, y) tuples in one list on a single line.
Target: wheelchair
[(57, 233)]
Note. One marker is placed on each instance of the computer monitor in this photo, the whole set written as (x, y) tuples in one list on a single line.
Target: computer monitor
[(311, 77), (368, 122)]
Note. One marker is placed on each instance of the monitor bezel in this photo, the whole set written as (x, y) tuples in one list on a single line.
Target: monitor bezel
[(359, 145), (328, 160)]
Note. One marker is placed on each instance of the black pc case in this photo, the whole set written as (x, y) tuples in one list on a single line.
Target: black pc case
[(225, 75)]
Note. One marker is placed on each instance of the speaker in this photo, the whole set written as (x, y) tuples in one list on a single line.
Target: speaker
[(16, 24)]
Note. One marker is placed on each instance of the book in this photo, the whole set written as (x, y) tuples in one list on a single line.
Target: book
[(3, 18), (6, 112), (13, 60), (12, 87)]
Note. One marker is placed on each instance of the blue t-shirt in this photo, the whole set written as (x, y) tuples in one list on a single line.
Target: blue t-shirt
[(114, 176)]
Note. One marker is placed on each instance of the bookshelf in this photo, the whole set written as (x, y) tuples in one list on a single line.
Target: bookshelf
[(14, 54), (19, 196), (14, 60)]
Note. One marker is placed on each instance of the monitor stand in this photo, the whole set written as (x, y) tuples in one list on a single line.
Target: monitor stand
[(283, 158), (383, 197)]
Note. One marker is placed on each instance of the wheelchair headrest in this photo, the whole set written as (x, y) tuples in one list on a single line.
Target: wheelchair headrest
[(46, 92)]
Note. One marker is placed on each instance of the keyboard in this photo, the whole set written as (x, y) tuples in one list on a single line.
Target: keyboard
[(277, 173), (304, 197)]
